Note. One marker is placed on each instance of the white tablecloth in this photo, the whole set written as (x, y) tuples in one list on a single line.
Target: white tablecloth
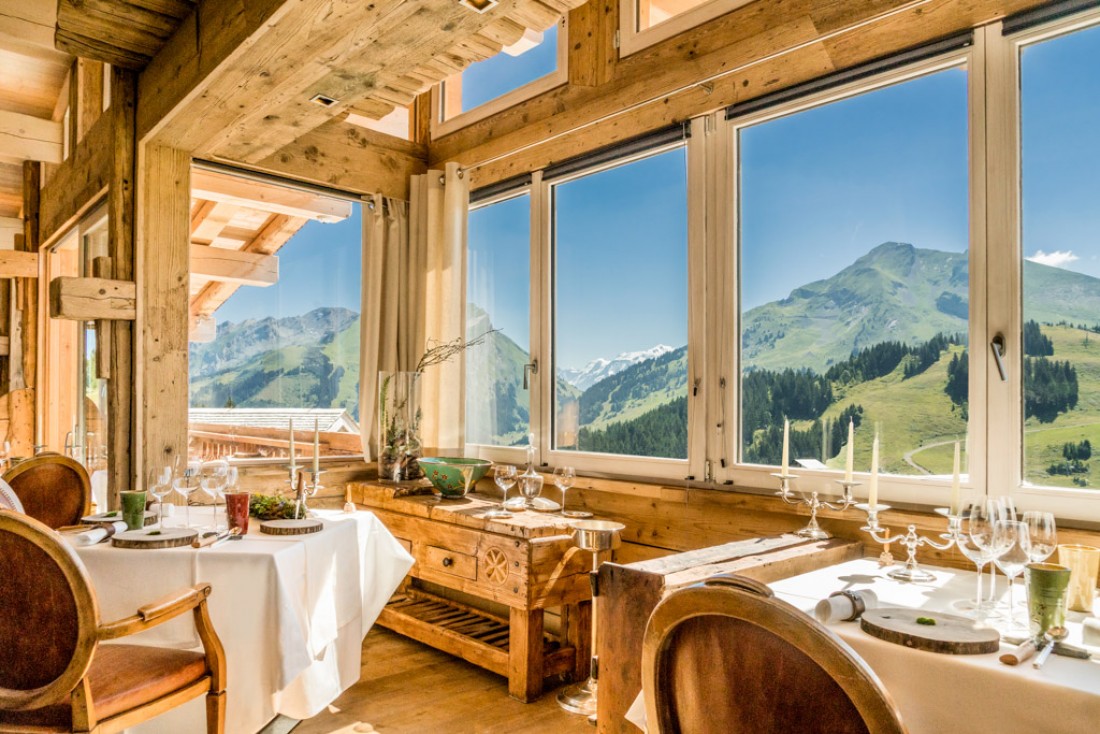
[(937, 693), (291, 611)]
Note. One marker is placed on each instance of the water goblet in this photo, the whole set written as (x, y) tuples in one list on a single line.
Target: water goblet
[(183, 484), (212, 481), (530, 486), (1012, 539), (505, 477), (980, 524), (160, 486)]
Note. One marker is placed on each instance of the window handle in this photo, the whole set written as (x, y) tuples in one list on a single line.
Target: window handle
[(998, 346), (531, 368)]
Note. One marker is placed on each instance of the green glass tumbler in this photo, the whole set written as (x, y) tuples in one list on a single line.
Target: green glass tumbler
[(1046, 597), (133, 510)]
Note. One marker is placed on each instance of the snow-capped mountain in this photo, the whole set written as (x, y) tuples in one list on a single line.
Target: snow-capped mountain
[(600, 368)]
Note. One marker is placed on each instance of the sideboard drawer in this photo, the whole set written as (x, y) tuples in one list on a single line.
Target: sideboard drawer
[(448, 561)]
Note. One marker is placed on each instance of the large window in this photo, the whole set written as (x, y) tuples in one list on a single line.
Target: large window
[(498, 303), (854, 288), (1060, 120), (620, 309), (265, 355)]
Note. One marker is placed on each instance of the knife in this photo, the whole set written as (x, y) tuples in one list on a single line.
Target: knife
[(211, 538), (1060, 648)]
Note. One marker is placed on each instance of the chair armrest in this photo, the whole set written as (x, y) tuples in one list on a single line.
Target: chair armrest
[(157, 612), (741, 583)]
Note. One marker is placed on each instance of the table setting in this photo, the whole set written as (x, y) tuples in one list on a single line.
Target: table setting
[(291, 609)]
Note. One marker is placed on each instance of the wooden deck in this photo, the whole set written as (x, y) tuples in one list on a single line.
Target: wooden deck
[(410, 688)]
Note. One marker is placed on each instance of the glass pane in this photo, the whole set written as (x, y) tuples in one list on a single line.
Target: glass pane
[(285, 352), (499, 294), (89, 445), (653, 12), (620, 309), (486, 80), (1060, 107), (854, 286)]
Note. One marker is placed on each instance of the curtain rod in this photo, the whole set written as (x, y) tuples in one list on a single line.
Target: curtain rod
[(268, 178), (704, 81)]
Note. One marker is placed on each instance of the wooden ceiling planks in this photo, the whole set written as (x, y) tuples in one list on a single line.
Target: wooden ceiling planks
[(126, 33)]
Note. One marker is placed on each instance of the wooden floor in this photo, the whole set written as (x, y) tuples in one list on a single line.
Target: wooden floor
[(410, 688)]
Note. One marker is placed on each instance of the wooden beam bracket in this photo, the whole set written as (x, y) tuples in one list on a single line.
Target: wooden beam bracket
[(92, 299)]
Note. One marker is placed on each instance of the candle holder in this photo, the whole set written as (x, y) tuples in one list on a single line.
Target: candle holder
[(812, 529), (910, 570), (305, 490)]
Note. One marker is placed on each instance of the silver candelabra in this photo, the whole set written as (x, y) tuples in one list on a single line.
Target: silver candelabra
[(812, 529), (304, 490), (911, 571)]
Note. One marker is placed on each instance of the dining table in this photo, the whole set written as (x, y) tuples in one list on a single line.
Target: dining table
[(291, 610), (936, 692)]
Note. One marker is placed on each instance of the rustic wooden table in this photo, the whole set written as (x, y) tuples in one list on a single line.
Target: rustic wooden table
[(526, 562)]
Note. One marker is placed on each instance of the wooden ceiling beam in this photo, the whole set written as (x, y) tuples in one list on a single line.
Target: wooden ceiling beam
[(233, 266), (227, 189), (123, 33), (29, 138), (17, 264)]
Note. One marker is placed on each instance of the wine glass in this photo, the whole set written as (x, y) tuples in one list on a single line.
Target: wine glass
[(160, 486), (564, 478), (1042, 533), (981, 519), (1012, 539), (184, 487), (505, 477), (212, 481), (1004, 510)]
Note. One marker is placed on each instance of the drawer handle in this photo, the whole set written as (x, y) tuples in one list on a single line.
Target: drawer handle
[(448, 562)]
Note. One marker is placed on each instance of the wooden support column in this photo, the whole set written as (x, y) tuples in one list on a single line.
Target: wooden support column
[(24, 374), (162, 259), (120, 224)]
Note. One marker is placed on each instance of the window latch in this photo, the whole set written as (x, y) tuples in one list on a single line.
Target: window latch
[(531, 368), (998, 347)]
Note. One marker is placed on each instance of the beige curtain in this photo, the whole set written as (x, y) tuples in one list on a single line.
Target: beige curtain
[(414, 296)]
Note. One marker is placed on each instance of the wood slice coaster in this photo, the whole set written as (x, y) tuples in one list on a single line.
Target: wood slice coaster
[(951, 634), (166, 538), (108, 517), (303, 526)]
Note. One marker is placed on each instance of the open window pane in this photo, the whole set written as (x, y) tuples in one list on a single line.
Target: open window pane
[(1060, 107), (620, 309), (854, 278), (266, 356), (654, 12), (499, 297)]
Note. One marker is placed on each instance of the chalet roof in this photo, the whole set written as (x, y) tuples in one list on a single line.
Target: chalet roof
[(330, 420)]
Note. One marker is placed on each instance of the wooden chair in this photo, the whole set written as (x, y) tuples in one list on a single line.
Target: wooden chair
[(54, 489), (54, 674), (726, 657)]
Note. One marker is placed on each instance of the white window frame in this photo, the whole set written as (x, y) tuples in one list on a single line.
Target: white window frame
[(620, 465), (442, 125), (892, 488), (518, 454), (1005, 399), (632, 40)]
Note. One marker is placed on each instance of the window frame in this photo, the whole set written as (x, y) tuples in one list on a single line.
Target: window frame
[(632, 40), (1006, 315), (596, 464), (912, 490), (441, 125)]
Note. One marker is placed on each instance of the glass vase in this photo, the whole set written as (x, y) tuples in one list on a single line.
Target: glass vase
[(399, 415)]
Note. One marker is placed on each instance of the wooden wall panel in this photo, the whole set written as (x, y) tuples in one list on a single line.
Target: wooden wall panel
[(79, 182)]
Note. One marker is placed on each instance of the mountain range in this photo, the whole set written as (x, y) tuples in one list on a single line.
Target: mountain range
[(600, 368)]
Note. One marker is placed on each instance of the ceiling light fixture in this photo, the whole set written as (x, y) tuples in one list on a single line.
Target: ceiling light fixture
[(323, 100), (478, 6)]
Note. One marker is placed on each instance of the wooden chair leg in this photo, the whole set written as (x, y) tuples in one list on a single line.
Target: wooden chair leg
[(215, 712)]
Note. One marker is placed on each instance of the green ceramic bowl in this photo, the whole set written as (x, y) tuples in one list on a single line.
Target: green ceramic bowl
[(445, 473)]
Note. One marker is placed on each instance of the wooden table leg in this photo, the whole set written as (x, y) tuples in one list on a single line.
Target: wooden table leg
[(576, 621), (525, 654)]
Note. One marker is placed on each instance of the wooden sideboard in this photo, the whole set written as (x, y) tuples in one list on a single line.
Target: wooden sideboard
[(526, 562)]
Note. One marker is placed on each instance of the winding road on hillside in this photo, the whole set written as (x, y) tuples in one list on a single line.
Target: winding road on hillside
[(909, 455)]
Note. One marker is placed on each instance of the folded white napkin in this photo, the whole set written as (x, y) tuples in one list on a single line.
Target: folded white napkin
[(840, 606), (93, 536)]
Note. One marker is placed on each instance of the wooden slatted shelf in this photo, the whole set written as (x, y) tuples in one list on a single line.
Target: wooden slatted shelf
[(472, 634)]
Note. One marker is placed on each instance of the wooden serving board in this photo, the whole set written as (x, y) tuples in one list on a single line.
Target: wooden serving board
[(109, 517), (166, 538), (951, 634), (302, 526)]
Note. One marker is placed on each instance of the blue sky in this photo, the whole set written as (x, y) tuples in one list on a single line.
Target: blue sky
[(320, 266), (499, 255), (488, 79)]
